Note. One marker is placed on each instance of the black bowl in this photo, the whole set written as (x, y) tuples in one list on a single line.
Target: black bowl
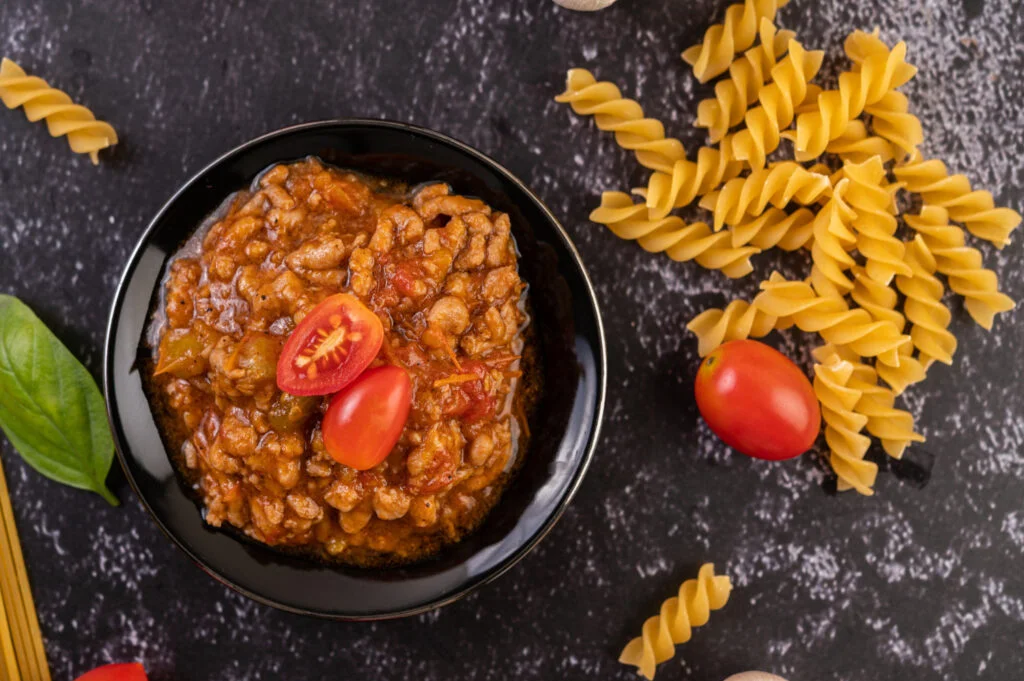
[(564, 426)]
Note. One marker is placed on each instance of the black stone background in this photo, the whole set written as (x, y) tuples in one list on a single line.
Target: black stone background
[(915, 583)]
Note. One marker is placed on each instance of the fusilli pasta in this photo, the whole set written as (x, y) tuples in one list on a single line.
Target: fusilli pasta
[(747, 75), (928, 316), (974, 208), (688, 180), (85, 134), (737, 321), (857, 145), (891, 120), (673, 625), (843, 425), (777, 185), (779, 101), (893, 427), (775, 227), (878, 74), (832, 240), (712, 56), (875, 223), (831, 318), (624, 117), (961, 264), (672, 236)]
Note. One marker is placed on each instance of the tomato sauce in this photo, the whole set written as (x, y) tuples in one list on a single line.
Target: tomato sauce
[(439, 270)]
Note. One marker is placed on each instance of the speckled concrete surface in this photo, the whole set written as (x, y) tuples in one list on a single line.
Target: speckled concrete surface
[(916, 583)]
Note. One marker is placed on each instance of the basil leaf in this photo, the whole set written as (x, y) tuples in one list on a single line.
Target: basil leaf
[(50, 407)]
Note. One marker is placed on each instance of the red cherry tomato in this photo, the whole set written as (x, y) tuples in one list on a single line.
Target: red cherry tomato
[(364, 421), (332, 345), (759, 402), (129, 671)]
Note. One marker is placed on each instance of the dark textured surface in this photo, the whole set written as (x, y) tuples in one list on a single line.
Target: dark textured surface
[(915, 583)]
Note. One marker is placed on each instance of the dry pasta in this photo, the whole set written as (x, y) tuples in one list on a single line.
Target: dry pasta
[(878, 74), (974, 208), (624, 117), (857, 145), (832, 318), (875, 223), (843, 425), (878, 342), (712, 56), (961, 264), (879, 300), (747, 75), (893, 427), (832, 241), (892, 121), (688, 180), (777, 185), (779, 101), (672, 236), (674, 623), (776, 228), (928, 316), (737, 321), (85, 134)]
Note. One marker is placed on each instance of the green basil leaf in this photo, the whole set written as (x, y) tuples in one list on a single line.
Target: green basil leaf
[(50, 407)]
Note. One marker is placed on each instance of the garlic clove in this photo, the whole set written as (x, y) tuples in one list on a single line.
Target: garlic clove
[(755, 676), (584, 5)]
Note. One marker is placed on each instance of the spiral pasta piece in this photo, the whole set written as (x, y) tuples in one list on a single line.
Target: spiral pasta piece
[(830, 317), (779, 101), (712, 56), (861, 87), (843, 425), (688, 180), (603, 100), (84, 133), (777, 185), (832, 241), (775, 227), (738, 321), (672, 236), (880, 302), (857, 145), (974, 208), (961, 264), (673, 625), (893, 427), (928, 316), (875, 223), (892, 121), (747, 75)]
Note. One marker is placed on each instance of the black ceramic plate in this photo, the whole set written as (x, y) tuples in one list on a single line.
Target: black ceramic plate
[(564, 428)]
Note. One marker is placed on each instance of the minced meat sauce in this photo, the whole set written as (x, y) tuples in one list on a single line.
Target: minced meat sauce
[(439, 270)]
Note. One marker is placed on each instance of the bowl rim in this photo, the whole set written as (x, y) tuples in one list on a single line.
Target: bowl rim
[(601, 362)]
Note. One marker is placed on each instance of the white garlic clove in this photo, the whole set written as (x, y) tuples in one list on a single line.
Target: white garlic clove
[(755, 676), (584, 5)]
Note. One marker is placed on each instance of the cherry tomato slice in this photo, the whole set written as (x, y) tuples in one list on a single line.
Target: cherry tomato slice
[(364, 421), (332, 345), (129, 671), (757, 401)]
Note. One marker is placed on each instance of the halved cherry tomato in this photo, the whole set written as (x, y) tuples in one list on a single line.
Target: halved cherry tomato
[(129, 671), (364, 421), (332, 345), (759, 402)]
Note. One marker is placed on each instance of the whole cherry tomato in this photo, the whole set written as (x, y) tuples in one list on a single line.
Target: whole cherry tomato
[(129, 671), (364, 421), (759, 402), (330, 347)]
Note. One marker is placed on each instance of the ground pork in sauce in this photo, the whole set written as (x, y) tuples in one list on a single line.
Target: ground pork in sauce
[(439, 270)]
